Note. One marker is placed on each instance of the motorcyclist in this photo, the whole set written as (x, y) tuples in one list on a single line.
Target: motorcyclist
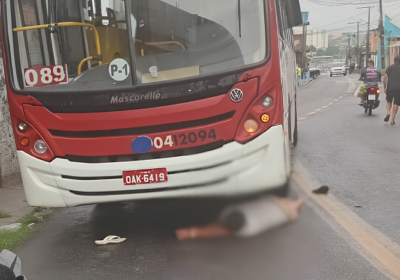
[(370, 75), (351, 70)]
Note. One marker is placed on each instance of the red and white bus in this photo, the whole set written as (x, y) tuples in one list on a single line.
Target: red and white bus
[(117, 100)]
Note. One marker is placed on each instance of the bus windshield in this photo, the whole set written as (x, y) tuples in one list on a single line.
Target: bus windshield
[(85, 45)]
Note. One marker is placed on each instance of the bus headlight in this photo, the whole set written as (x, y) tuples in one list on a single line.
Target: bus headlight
[(267, 102), (250, 126), (40, 147), (22, 126)]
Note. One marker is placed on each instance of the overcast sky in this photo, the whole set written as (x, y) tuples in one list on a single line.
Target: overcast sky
[(336, 18)]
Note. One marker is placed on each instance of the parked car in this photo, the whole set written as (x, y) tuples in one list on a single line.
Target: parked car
[(314, 72)]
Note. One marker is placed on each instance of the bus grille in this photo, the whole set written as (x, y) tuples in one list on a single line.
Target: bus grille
[(142, 130), (147, 156)]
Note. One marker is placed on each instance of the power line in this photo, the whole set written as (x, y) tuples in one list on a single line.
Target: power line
[(343, 2), (340, 29), (343, 20)]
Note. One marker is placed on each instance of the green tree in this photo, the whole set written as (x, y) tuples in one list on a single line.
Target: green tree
[(320, 52), (332, 50), (313, 49)]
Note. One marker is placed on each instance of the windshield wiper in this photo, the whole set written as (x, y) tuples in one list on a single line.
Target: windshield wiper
[(240, 20)]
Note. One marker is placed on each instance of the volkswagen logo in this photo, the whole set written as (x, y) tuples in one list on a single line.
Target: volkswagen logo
[(236, 95)]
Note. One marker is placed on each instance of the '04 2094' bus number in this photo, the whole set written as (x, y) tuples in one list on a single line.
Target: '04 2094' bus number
[(184, 138)]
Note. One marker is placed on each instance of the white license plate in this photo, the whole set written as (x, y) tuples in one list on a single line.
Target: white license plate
[(146, 176), (371, 97)]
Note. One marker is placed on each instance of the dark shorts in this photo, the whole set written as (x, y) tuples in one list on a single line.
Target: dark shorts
[(393, 95)]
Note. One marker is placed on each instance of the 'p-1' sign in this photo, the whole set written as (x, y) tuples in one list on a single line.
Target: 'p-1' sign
[(119, 69), (39, 76)]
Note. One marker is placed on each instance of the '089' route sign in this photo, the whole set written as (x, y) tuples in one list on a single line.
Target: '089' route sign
[(39, 76)]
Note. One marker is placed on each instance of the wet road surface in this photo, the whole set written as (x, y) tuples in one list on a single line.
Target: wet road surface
[(336, 146)]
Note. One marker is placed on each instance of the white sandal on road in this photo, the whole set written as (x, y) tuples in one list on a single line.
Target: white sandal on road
[(110, 239)]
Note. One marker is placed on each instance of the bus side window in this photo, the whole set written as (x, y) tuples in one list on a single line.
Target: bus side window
[(2, 77), (279, 17), (283, 25)]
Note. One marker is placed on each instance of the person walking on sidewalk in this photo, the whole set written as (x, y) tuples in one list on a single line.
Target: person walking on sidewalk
[(391, 85), (298, 75)]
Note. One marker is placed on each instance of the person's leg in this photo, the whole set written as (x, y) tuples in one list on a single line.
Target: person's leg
[(388, 107), (389, 100), (396, 104), (395, 109)]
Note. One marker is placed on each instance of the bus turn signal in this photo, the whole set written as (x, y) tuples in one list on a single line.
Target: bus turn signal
[(25, 142)]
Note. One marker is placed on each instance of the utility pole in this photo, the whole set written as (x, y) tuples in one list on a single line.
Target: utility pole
[(358, 45), (349, 58), (304, 62), (367, 54), (366, 60), (381, 36), (358, 53)]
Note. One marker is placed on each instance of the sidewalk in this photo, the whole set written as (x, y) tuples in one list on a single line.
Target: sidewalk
[(13, 202), (305, 82)]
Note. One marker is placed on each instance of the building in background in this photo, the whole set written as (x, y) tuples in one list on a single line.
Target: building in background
[(392, 37), (374, 46), (315, 37)]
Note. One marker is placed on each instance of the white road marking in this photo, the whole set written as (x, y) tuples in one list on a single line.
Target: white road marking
[(350, 88)]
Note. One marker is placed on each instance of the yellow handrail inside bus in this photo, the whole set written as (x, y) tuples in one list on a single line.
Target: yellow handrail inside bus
[(164, 43), (44, 26), (81, 63), (158, 43)]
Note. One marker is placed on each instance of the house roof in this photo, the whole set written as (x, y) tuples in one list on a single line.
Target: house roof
[(394, 17)]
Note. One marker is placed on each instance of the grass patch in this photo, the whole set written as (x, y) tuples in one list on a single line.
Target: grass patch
[(12, 239), (4, 215)]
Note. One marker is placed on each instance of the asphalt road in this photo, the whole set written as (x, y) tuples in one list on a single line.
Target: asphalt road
[(339, 145)]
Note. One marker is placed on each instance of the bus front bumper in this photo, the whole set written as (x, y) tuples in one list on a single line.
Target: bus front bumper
[(233, 169)]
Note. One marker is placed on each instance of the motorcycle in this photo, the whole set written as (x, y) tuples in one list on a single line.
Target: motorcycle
[(371, 97)]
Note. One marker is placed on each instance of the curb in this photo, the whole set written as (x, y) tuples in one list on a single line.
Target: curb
[(13, 202), (306, 83)]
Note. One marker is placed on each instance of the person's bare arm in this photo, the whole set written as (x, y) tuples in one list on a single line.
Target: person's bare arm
[(385, 82)]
